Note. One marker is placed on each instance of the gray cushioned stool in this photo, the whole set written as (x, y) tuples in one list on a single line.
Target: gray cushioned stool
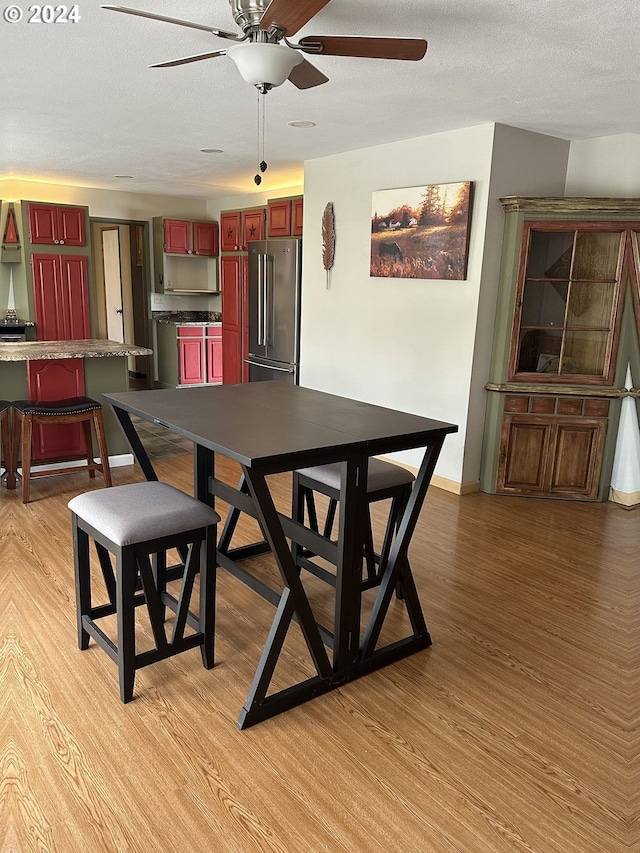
[(133, 523), (6, 443), (384, 480)]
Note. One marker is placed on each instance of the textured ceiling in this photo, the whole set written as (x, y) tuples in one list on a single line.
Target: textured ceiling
[(78, 104)]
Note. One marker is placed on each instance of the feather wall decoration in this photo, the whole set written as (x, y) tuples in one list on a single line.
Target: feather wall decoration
[(328, 238)]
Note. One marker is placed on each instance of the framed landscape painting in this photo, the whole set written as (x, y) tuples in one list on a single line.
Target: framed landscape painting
[(421, 232)]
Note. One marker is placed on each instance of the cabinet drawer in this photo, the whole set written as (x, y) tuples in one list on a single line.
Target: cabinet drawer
[(190, 331)]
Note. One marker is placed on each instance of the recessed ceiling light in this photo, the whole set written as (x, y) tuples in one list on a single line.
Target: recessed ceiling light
[(303, 123), (211, 151), (123, 176)]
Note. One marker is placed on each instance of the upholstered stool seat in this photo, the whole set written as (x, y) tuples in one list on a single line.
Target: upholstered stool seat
[(384, 480), (138, 524), (71, 410), (6, 443)]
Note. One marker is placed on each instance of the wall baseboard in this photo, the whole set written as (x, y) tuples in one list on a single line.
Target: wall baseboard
[(114, 462), (626, 499), (441, 482), (453, 486)]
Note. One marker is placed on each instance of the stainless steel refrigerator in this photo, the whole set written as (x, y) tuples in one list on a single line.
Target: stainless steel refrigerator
[(274, 309)]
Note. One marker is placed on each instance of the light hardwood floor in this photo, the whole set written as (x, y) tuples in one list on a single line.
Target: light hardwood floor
[(517, 731)]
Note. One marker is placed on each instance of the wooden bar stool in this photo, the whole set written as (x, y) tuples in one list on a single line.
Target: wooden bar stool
[(6, 443), (70, 411), (135, 523), (384, 480)]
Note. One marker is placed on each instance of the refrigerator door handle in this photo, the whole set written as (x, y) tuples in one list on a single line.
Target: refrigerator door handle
[(269, 366), (260, 259), (268, 300)]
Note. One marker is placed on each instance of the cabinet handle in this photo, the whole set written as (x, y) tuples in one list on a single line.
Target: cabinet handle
[(61, 242), (56, 241), (189, 252)]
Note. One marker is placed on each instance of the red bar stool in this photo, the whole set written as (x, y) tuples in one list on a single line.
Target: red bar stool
[(70, 411), (6, 443)]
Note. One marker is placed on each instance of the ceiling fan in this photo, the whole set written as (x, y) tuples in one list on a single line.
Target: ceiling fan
[(264, 61)]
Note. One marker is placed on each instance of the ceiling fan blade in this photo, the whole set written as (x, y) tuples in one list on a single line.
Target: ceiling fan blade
[(306, 76), (364, 46), (221, 33), (185, 59), (290, 15)]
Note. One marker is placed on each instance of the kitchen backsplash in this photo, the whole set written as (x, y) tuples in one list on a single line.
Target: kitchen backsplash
[(170, 302), (186, 316)]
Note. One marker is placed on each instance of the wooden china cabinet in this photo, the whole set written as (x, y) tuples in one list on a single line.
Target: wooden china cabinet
[(564, 326)]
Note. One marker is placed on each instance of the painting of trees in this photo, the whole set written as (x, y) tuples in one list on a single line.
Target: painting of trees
[(421, 232)]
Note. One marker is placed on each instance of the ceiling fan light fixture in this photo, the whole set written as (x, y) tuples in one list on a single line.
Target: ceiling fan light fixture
[(264, 64)]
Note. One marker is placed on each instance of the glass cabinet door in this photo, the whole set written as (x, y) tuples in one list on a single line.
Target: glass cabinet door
[(567, 303)]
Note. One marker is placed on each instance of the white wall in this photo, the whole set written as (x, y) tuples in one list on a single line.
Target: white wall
[(237, 202), (523, 164), (607, 166), (403, 343), (418, 345), (109, 204)]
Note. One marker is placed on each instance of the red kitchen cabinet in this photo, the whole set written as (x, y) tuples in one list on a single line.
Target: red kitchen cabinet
[(191, 355), (296, 218), (57, 225), (205, 238), (252, 226), (61, 297), (177, 236), (215, 363), (230, 225), (279, 218), (235, 325), (56, 379), (239, 227), (200, 356), (184, 237), (284, 217)]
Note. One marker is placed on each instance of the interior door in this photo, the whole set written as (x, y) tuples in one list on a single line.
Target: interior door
[(112, 272)]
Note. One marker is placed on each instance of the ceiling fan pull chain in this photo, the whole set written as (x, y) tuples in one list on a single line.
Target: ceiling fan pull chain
[(257, 178), (262, 165)]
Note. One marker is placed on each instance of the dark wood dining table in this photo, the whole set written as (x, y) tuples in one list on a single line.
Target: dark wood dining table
[(272, 427)]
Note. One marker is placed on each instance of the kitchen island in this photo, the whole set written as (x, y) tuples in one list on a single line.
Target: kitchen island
[(105, 370)]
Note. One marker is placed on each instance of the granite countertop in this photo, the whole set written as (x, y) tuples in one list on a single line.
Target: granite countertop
[(187, 318), (29, 350)]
